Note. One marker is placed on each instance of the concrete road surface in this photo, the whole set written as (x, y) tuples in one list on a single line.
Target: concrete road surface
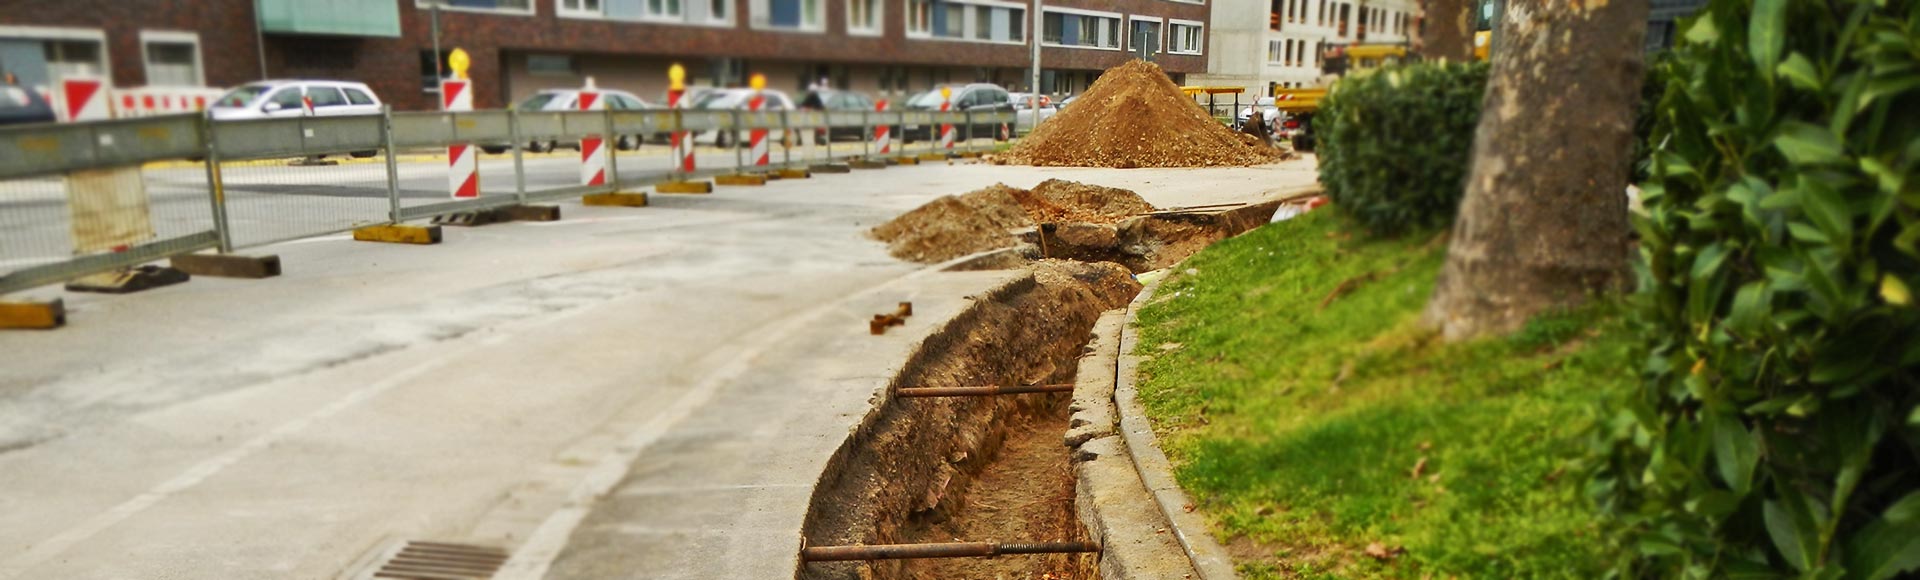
[(485, 390)]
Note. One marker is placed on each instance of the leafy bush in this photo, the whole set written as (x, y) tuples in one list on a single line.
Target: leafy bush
[(1394, 143), (1776, 432)]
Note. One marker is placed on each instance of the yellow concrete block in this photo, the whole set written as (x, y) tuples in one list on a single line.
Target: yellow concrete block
[(741, 179), (795, 174), (908, 160), (33, 315), (399, 234), (933, 157), (615, 199), (685, 187)]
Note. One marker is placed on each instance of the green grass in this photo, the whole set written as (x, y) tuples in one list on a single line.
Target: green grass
[(1296, 428)]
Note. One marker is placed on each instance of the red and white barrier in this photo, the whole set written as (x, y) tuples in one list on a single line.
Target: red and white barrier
[(757, 143), (593, 150), (946, 130), (682, 140), (83, 100), (148, 101), (881, 141), (463, 159)]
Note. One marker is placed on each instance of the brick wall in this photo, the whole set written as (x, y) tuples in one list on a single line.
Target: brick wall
[(228, 53)]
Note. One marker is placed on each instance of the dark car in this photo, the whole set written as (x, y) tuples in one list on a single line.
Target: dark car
[(976, 97), (837, 100), (19, 106)]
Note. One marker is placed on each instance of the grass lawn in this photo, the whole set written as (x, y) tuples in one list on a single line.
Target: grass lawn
[(1312, 417)]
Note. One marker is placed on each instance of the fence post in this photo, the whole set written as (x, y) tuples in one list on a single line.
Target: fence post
[(393, 164), (826, 134), (739, 157), (216, 185), (519, 163), (866, 134), (612, 145), (786, 139), (968, 115)]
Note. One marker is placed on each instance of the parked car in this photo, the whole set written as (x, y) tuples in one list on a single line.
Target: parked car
[(1062, 103), (569, 100), (732, 99), (976, 97), (292, 98), (1026, 116), (837, 100), (19, 106), (1268, 111)]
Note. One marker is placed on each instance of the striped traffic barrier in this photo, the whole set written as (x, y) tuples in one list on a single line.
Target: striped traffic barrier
[(682, 141), (593, 151), (758, 148), (463, 164), (946, 129), (881, 141)]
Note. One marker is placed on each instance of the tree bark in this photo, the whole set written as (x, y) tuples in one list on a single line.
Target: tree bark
[(1446, 30), (1544, 221)]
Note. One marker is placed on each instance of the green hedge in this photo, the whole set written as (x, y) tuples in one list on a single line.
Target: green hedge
[(1394, 144), (1776, 433)]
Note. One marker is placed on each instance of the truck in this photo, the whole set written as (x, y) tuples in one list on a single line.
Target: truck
[(1338, 60)]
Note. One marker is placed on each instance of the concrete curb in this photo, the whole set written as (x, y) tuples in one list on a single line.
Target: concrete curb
[(1189, 528)]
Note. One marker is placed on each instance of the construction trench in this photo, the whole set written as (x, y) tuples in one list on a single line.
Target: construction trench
[(966, 455)]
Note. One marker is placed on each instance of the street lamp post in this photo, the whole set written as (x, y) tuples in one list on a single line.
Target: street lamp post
[(1038, 31)]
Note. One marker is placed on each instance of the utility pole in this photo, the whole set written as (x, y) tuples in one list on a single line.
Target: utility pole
[(437, 73), (1039, 30), (260, 38)]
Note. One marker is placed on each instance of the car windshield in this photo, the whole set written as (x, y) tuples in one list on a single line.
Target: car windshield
[(929, 98), (241, 97), (538, 101), (723, 100)]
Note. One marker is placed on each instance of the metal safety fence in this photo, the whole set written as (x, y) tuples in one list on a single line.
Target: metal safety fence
[(83, 198)]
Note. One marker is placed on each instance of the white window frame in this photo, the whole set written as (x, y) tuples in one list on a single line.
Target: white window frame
[(1126, 44), (98, 36), (173, 37), (760, 17), (878, 17), (969, 26), (561, 10), (923, 33), (1200, 46), (532, 9), (1079, 12)]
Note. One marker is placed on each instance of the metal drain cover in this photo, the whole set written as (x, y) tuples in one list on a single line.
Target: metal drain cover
[(442, 561)]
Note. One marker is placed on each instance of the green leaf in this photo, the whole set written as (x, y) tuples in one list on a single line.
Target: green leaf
[(1751, 305), (1799, 71), (1894, 291), (1887, 87), (1767, 34), (1907, 510), (1884, 549), (1703, 32), (1788, 536), (1808, 144), (1734, 452)]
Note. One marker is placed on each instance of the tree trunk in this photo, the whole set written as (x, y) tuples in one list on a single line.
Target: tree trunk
[(1446, 30), (1544, 221)]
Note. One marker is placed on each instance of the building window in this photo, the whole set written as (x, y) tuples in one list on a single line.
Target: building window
[(663, 9), (517, 6), (1016, 25), (1277, 51), (950, 20), (1322, 13), (172, 58), (1185, 38), (1145, 32), (589, 8), (73, 58), (1093, 30), (787, 14), (863, 16), (550, 65), (983, 23), (919, 17)]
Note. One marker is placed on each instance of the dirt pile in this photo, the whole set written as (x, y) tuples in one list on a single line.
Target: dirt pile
[(1134, 116), (954, 226)]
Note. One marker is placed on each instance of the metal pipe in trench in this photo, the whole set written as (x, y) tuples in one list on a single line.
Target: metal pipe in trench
[(952, 550), (990, 390)]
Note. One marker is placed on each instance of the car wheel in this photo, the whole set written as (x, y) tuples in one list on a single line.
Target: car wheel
[(627, 143), (493, 149), (723, 140), (364, 154), (540, 146)]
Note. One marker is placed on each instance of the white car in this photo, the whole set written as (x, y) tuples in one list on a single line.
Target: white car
[(295, 98), (1025, 115), (1268, 112), (731, 99), (569, 100)]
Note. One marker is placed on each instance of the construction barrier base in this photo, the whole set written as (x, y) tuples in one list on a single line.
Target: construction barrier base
[(907, 160), (830, 168), (227, 265), (740, 179), (129, 280), (399, 234), (33, 315), (685, 187), (934, 157), (511, 213), (867, 164), (968, 155), (615, 199), (795, 174)]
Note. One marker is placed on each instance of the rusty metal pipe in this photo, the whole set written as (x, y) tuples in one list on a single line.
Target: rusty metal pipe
[(986, 391), (952, 550)]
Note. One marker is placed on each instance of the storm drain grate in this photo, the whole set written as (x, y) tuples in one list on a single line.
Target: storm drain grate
[(442, 561)]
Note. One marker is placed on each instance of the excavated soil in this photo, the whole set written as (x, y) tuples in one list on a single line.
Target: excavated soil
[(954, 226), (974, 468), (1134, 116)]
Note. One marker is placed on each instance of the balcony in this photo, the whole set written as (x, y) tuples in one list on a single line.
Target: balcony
[(333, 17)]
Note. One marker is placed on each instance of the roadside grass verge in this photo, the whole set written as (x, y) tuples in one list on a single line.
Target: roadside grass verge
[(1327, 433)]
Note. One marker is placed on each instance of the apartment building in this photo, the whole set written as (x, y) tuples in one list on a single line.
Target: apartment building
[(1279, 43), (890, 48)]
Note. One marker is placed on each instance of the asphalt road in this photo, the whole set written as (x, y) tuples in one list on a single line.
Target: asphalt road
[(484, 389)]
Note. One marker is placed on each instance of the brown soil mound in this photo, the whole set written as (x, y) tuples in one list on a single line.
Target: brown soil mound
[(955, 226), (1134, 116)]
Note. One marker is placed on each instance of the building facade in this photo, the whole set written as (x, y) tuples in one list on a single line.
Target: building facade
[(1278, 43), (888, 48)]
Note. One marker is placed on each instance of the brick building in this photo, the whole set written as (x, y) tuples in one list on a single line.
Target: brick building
[(885, 47)]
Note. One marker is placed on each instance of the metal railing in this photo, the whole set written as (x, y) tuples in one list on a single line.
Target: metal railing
[(198, 184)]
